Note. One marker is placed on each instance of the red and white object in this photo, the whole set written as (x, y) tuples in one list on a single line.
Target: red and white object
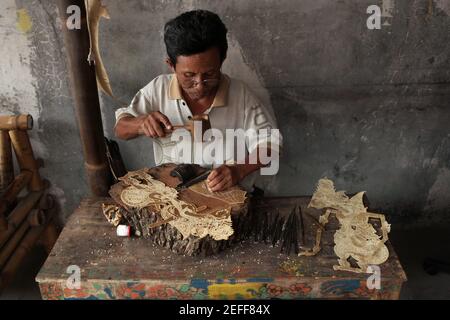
[(123, 230)]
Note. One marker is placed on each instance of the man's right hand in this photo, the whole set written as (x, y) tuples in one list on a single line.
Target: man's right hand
[(153, 124)]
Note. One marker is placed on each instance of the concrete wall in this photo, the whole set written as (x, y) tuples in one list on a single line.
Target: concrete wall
[(33, 79), (369, 109)]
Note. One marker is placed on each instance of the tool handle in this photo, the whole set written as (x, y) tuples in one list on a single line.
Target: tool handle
[(195, 180), (174, 128), (140, 131)]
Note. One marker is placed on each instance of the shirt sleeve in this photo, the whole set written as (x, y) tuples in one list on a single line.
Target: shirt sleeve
[(140, 105), (260, 120)]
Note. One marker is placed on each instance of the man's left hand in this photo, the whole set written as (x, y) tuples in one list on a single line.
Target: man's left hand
[(223, 178)]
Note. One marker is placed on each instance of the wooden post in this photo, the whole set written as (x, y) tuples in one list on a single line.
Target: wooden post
[(87, 105)]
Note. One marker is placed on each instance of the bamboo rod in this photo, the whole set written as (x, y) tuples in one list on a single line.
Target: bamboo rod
[(25, 246), (6, 161), (9, 196), (19, 213), (12, 243), (24, 154), (47, 202), (36, 218), (3, 223), (19, 122)]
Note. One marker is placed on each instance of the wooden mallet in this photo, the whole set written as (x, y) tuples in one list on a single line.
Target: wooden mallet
[(201, 120)]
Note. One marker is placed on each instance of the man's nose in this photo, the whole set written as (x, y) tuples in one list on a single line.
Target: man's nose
[(199, 78), (199, 83)]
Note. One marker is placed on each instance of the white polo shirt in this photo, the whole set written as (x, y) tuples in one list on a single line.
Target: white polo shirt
[(234, 107)]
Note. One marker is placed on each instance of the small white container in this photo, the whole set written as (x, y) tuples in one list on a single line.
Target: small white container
[(123, 230)]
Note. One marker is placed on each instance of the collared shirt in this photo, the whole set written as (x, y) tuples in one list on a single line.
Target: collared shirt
[(234, 107)]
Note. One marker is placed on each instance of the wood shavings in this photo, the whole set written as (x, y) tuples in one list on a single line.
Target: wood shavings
[(356, 238)]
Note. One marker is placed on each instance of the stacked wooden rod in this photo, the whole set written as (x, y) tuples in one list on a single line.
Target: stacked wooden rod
[(26, 208)]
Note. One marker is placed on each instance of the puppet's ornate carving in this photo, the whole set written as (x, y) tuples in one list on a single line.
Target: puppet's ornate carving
[(233, 195), (356, 238), (112, 214), (194, 211)]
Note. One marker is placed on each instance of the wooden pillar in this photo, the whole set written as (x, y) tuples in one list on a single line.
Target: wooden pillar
[(87, 105)]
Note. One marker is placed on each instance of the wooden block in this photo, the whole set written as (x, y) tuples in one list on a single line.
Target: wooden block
[(150, 223)]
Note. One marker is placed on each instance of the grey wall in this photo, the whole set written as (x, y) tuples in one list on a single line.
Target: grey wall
[(369, 109), (33, 79)]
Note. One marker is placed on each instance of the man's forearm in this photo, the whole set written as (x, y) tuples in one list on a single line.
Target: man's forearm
[(128, 128), (247, 168)]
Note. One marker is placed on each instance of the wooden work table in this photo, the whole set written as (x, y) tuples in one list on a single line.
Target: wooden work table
[(113, 267)]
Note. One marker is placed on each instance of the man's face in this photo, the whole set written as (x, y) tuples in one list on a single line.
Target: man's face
[(199, 74)]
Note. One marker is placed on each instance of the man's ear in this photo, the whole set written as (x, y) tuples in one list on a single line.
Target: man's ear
[(170, 64)]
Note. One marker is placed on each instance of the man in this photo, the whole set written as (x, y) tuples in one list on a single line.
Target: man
[(196, 44)]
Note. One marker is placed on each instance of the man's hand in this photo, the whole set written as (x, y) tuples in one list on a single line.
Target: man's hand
[(227, 176), (223, 178), (150, 124)]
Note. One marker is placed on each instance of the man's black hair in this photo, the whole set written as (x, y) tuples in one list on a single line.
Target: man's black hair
[(195, 32)]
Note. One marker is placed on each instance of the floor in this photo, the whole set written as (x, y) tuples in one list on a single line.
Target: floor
[(24, 286), (412, 246)]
